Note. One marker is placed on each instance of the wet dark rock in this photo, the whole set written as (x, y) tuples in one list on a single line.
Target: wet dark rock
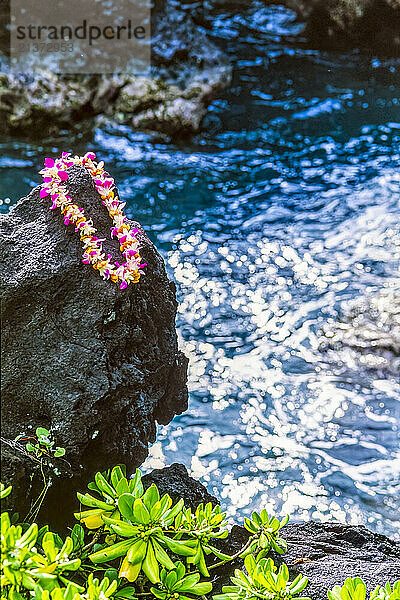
[(372, 25), (97, 365), (326, 553), (367, 334), (175, 481)]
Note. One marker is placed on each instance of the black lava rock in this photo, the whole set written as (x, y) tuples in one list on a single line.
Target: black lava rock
[(176, 482), (326, 553), (96, 364)]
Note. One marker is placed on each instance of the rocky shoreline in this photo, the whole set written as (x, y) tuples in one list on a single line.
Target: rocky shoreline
[(97, 366), (326, 553), (101, 368), (189, 69)]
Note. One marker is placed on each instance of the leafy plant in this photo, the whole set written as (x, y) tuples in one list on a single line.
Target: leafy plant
[(205, 524), (109, 486), (42, 450), (263, 581), (4, 491), (265, 530), (137, 536), (95, 590), (24, 566), (175, 584), (42, 444), (355, 589), (143, 525)]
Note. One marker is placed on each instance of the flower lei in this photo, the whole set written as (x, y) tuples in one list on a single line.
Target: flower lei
[(54, 175)]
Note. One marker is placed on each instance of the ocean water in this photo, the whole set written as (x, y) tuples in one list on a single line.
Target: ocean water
[(282, 211)]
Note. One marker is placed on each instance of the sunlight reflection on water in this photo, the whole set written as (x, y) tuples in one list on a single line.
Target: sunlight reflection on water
[(271, 222)]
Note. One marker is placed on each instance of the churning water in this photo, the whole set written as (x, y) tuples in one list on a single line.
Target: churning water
[(270, 222)]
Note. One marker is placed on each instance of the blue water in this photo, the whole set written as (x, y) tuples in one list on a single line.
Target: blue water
[(282, 211)]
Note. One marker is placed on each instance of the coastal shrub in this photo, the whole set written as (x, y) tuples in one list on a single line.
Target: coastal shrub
[(126, 535), (42, 444), (355, 589), (264, 581)]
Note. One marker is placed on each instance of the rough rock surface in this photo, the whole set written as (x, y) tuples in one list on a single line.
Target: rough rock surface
[(372, 25), (188, 70), (96, 364), (368, 332), (326, 553), (175, 481)]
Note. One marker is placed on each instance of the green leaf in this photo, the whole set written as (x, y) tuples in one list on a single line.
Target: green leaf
[(78, 536), (150, 565), (89, 500), (118, 473), (250, 526), (122, 487), (59, 452), (111, 552), (127, 592), (137, 551), (42, 431), (125, 505), (158, 593), (141, 514), (171, 514), (4, 492), (162, 556), (199, 589), (219, 554), (121, 527), (178, 547), (284, 521), (103, 485), (111, 574), (151, 496), (136, 485)]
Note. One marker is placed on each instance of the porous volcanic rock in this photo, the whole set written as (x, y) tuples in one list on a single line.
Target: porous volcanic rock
[(326, 553), (187, 71), (96, 364), (175, 481)]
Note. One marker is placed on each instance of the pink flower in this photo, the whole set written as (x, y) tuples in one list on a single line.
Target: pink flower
[(54, 174)]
